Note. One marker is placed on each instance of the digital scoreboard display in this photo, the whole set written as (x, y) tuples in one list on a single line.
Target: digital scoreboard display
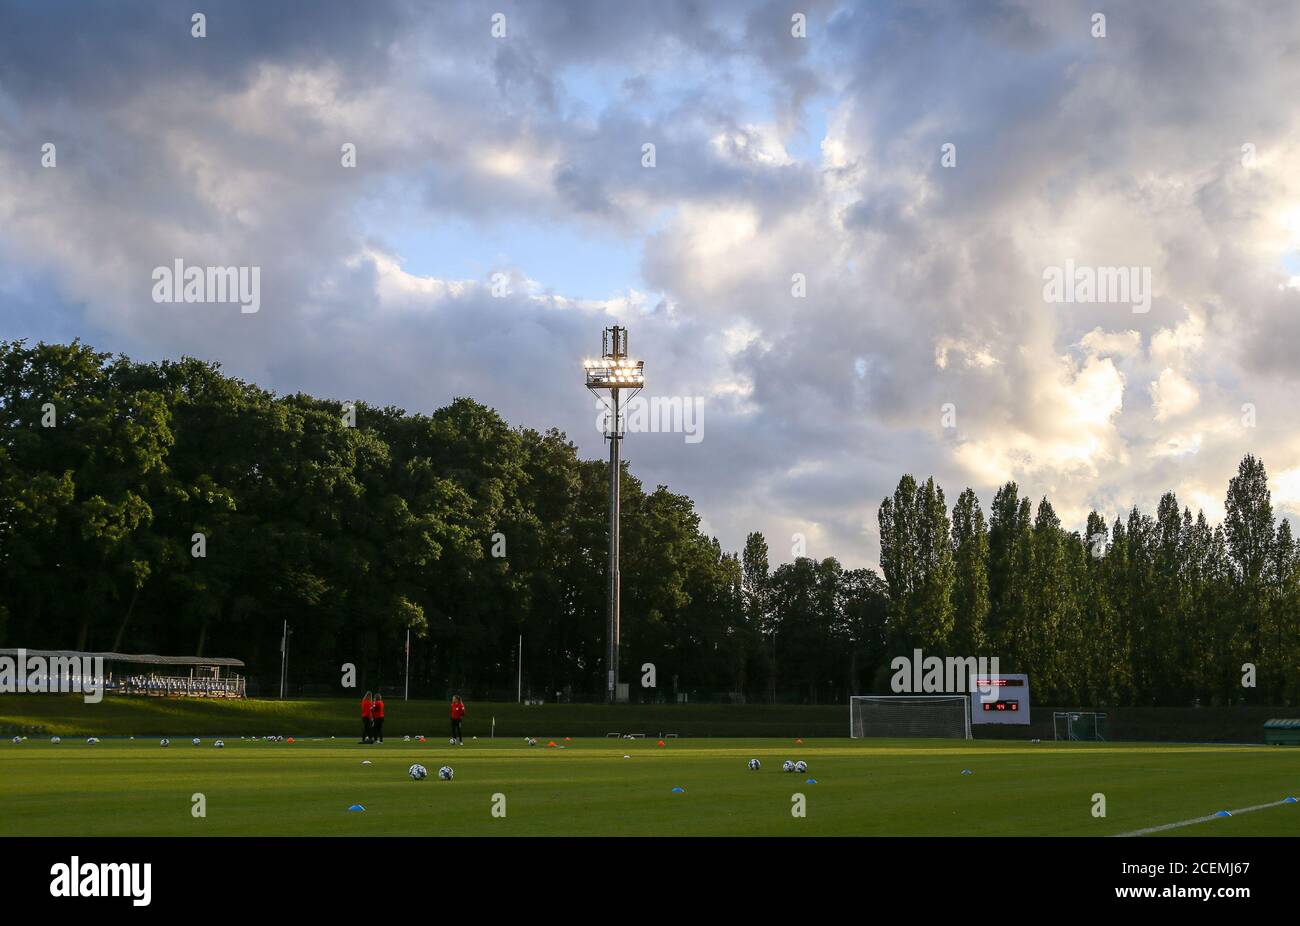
[(999, 699), (1012, 706)]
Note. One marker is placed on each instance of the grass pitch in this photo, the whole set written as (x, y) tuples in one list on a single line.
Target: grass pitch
[(871, 788)]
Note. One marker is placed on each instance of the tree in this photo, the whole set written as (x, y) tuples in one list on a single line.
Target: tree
[(1251, 535), (970, 540)]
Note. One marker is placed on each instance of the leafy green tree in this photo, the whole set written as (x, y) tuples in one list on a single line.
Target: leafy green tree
[(970, 541)]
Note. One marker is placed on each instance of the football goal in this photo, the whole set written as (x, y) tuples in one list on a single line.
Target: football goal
[(1080, 726), (909, 715)]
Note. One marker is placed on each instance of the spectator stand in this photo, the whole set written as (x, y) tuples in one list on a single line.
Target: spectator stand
[(158, 676)]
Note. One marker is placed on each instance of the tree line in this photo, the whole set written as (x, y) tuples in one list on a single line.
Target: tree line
[(1146, 610), (167, 507)]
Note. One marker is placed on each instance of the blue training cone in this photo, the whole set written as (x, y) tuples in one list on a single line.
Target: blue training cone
[(1223, 813), (811, 781), (1289, 800), (679, 790), (967, 771), (356, 807)]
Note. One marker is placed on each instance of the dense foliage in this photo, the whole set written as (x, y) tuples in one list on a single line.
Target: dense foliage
[(355, 525)]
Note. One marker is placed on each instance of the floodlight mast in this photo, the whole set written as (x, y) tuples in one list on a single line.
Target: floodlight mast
[(614, 372)]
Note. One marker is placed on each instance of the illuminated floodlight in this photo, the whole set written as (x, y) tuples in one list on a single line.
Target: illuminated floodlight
[(608, 376)]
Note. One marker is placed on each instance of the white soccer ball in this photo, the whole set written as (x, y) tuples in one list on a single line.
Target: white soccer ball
[(787, 766), (195, 741), (801, 766), (55, 740), (92, 741), (405, 739), (219, 744), (418, 772), (755, 765), (17, 740), (164, 742), (445, 773), (452, 741), (531, 741)]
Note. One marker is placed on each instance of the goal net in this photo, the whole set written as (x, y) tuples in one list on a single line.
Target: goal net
[(1080, 726), (909, 715)]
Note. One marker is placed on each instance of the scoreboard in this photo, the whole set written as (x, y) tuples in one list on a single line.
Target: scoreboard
[(999, 699)]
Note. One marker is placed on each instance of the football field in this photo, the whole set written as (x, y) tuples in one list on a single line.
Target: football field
[(122, 787)]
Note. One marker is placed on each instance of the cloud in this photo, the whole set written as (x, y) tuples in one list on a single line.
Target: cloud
[(777, 158), (1172, 395)]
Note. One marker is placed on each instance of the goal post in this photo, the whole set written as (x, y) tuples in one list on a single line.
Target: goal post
[(1080, 726), (909, 715)]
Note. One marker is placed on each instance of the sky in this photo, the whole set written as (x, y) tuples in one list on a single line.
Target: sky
[(840, 252)]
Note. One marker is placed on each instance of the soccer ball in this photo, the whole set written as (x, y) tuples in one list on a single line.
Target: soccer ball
[(755, 765), (531, 741), (445, 773), (406, 739), (164, 742), (801, 766), (92, 741), (195, 741), (219, 744), (418, 772), (787, 766), (17, 740), (452, 741), (55, 740)]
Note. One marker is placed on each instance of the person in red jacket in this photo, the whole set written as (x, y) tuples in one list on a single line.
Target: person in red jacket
[(367, 711), (457, 715), (377, 719)]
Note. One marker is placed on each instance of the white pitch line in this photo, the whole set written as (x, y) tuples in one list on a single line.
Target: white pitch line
[(1205, 819)]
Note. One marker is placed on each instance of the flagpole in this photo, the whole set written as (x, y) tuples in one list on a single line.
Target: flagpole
[(407, 696)]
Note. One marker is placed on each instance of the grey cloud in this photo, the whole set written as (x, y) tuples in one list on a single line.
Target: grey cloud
[(169, 145)]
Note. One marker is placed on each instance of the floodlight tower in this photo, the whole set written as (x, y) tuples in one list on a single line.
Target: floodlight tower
[(613, 372)]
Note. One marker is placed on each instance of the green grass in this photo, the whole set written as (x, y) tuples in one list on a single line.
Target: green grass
[(879, 787)]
